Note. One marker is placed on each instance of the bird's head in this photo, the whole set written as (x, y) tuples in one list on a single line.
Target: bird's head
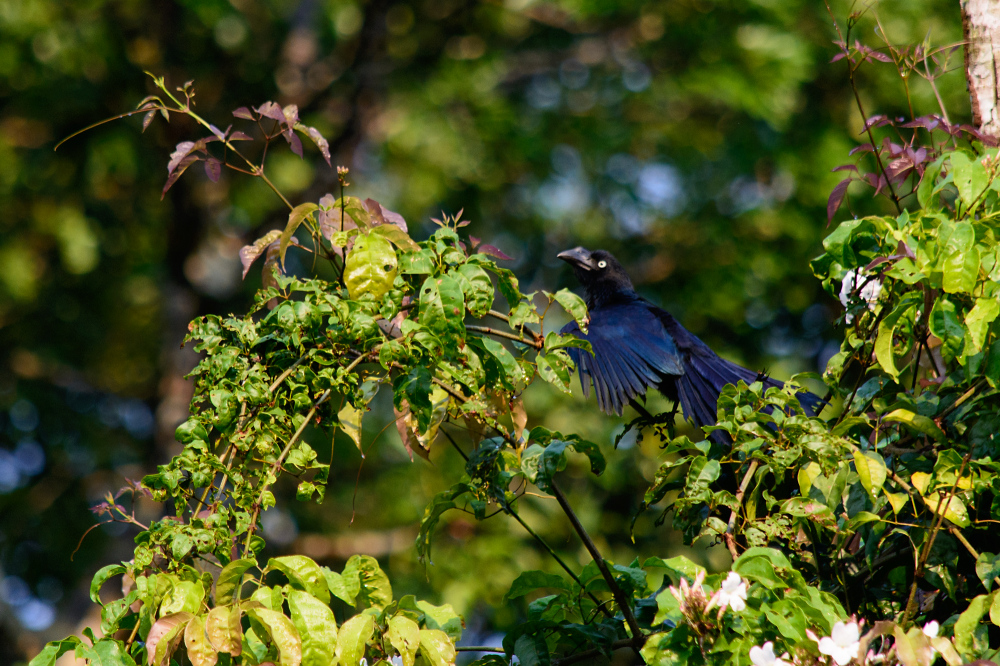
[(599, 273)]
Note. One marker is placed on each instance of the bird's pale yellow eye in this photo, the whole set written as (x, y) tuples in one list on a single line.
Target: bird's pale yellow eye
[(602, 264)]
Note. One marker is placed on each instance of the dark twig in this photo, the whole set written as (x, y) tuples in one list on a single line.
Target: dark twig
[(637, 635)]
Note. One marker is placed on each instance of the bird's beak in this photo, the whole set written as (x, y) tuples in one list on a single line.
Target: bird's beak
[(578, 257)]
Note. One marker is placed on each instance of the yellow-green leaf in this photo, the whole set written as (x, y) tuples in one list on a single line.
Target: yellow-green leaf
[(437, 647), (352, 639), (871, 470), (953, 509), (370, 267), (218, 630), (404, 635), (316, 625), (349, 419), (916, 422), (295, 218), (807, 474), (283, 634), (199, 647), (979, 319), (897, 501)]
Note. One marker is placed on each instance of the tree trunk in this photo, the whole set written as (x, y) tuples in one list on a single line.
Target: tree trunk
[(981, 29)]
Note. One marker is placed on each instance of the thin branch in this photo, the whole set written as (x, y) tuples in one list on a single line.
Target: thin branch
[(536, 343), (591, 547), (730, 538), (277, 465)]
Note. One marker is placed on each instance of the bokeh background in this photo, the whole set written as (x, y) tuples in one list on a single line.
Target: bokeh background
[(693, 138)]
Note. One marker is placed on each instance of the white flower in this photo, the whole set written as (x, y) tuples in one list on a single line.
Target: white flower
[(363, 662), (931, 629), (843, 644), (396, 661), (764, 656), (733, 592), (871, 288)]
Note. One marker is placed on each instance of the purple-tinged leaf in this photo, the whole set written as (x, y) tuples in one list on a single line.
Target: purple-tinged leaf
[(149, 101), (179, 169), (213, 169), (293, 141), (317, 138), (839, 56), (493, 251), (374, 209), (876, 121), (878, 55), (219, 134), (272, 111), (244, 113), (148, 118), (846, 167), (168, 628), (929, 123), (249, 253), (183, 149), (391, 217), (330, 223), (836, 198), (240, 136), (863, 148), (101, 508), (903, 251)]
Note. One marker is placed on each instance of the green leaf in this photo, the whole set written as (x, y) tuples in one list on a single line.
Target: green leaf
[(925, 191), (316, 626), (53, 650), (657, 651), (979, 319), (437, 648), (887, 331), (303, 573), (553, 458), (228, 584), (105, 652), (871, 470), (442, 308), (440, 503), (114, 612), (953, 509), (442, 617), (575, 306), (944, 323), (969, 175), (295, 218), (416, 263), (345, 586), (554, 368), (184, 596), (988, 568), (477, 287), (375, 587), (531, 650), (349, 420), (404, 635), (397, 236), (701, 473), (511, 369), (916, 422), (190, 431), (966, 625), (352, 638), (101, 577), (200, 651), (529, 581), (370, 267), (283, 634)]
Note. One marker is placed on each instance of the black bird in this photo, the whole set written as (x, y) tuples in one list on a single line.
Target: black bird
[(637, 345)]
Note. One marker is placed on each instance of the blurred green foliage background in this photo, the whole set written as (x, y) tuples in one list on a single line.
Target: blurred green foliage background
[(693, 138)]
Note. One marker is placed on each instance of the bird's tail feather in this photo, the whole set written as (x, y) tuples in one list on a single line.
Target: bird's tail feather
[(704, 377)]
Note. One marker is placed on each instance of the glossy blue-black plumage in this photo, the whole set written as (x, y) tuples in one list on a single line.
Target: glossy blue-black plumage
[(637, 345)]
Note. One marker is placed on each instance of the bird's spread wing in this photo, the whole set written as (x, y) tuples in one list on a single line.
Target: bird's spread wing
[(632, 351)]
